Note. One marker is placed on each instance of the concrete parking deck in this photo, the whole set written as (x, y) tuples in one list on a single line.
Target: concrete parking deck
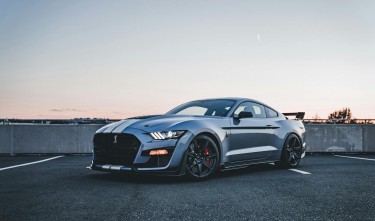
[(332, 188)]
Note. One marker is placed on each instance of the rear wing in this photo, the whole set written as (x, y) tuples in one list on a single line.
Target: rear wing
[(299, 115)]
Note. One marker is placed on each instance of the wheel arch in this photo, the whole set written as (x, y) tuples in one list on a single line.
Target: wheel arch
[(290, 133)]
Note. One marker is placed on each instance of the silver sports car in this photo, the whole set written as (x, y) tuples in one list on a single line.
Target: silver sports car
[(199, 138)]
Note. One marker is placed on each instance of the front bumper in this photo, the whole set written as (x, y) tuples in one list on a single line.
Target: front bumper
[(145, 164), (134, 170)]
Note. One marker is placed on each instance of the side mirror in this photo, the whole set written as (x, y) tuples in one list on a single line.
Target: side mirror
[(244, 114)]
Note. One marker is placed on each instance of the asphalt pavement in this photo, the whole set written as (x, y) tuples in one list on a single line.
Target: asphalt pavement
[(325, 187)]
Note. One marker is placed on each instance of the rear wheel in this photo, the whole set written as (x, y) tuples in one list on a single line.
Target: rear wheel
[(202, 158), (291, 153)]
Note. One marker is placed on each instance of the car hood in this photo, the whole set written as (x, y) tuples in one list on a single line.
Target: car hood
[(153, 123)]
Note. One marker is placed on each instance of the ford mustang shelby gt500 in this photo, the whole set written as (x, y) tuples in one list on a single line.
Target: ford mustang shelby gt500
[(199, 138)]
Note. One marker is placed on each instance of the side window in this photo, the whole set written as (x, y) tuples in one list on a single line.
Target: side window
[(257, 109), (271, 113)]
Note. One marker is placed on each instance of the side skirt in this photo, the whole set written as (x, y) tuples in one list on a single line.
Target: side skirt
[(243, 164)]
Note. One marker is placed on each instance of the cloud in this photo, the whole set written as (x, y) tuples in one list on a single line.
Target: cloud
[(116, 112), (65, 110)]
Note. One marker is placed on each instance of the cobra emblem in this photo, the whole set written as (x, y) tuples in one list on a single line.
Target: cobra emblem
[(115, 139)]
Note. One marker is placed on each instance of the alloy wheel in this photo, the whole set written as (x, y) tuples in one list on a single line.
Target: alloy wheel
[(202, 157), (293, 150)]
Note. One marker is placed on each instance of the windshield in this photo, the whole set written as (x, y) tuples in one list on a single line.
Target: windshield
[(218, 108)]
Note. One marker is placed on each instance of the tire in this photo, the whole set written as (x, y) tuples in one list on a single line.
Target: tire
[(291, 153), (202, 158)]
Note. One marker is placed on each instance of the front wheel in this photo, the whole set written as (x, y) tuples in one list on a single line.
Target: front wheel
[(291, 153), (202, 158)]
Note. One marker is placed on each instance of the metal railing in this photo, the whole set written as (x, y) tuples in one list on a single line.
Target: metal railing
[(58, 121), (338, 121)]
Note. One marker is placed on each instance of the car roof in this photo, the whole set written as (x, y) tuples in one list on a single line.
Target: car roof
[(238, 99)]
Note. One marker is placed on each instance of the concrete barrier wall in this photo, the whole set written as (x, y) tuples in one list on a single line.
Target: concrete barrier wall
[(56, 139), (22, 139), (340, 138)]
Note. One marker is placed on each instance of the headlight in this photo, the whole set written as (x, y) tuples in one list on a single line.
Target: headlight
[(164, 135)]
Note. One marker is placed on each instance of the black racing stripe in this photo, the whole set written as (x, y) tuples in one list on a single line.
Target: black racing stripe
[(248, 128)]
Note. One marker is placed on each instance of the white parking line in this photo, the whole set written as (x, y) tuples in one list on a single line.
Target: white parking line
[(26, 164), (300, 171), (358, 158)]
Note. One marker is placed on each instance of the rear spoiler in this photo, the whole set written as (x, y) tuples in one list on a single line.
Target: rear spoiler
[(299, 115)]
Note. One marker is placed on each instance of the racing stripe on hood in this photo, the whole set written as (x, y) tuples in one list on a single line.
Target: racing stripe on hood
[(123, 126), (112, 126)]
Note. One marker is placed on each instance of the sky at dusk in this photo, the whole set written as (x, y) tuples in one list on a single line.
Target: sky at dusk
[(116, 59)]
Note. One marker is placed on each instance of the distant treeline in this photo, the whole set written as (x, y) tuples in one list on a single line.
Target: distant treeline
[(341, 116)]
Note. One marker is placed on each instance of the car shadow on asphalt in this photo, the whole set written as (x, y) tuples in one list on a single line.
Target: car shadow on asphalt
[(153, 179)]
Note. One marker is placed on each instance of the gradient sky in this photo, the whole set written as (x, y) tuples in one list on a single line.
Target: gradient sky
[(115, 59)]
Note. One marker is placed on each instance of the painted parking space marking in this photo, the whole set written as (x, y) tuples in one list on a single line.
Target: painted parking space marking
[(300, 171), (26, 164), (358, 158)]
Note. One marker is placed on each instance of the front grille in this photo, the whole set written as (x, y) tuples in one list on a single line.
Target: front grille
[(115, 149)]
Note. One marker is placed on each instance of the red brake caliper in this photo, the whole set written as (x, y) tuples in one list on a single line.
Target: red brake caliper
[(207, 152)]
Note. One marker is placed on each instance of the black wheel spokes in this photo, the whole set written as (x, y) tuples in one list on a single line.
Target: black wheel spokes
[(199, 165), (294, 142), (291, 155), (207, 166), (200, 161), (196, 146), (294, 149), (210, 156), (191, 154), (191, 165), (204, 146), (293, 158)]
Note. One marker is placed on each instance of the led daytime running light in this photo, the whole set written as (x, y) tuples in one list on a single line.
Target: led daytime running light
[(164, 135)]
